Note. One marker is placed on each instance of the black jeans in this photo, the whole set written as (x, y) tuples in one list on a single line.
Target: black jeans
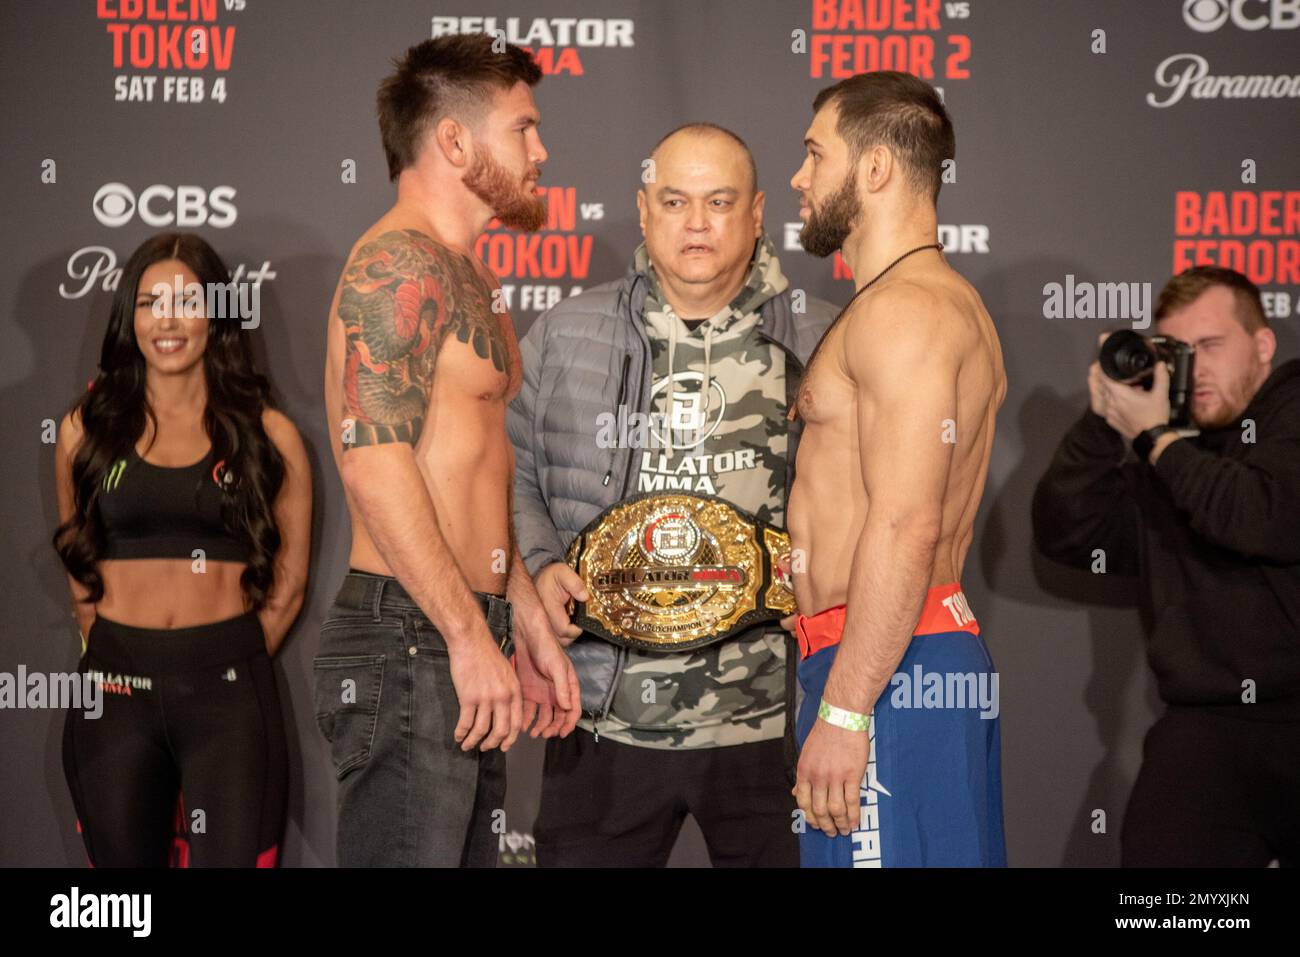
[(408, 795), (1215, 791), (194, 707), (606, 804)]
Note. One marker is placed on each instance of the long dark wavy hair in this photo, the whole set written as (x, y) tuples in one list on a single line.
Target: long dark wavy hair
[(114, 407)]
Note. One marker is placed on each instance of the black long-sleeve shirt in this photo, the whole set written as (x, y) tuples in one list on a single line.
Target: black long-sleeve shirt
[(1213, 530)]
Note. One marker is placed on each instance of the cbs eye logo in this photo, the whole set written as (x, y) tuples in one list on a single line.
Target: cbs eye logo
[(1206, 16), (115, 204)]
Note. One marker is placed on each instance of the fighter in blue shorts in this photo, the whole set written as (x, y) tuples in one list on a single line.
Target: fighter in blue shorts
[(899, 761), (932, 792)]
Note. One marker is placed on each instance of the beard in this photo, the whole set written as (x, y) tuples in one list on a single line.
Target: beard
[(516, 205), (1232, 402), (827, 228)]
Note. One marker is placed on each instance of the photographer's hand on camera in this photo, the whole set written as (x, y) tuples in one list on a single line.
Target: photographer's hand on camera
[(1130, 409), (1096, 389)]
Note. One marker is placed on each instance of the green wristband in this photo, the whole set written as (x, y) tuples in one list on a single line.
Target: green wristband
[(849, 720)]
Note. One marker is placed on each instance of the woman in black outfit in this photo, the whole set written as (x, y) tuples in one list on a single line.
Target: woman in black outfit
[(185, 503)]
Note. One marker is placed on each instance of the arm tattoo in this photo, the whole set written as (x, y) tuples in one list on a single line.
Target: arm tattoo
[(403, 295)]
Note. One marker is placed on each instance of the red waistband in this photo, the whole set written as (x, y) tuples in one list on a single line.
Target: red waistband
[(945, 610)]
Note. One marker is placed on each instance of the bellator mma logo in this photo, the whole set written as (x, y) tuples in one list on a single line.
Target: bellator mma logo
[(223, 477), (557, 39), (154, 36)]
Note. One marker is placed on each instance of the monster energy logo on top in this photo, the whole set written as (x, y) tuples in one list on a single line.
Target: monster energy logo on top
[(114, 475)]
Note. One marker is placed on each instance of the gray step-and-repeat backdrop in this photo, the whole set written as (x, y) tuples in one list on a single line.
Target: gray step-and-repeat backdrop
[(1099, 141)]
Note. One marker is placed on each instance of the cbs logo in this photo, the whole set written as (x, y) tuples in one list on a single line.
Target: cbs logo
[(187, 206), (1206, 16)]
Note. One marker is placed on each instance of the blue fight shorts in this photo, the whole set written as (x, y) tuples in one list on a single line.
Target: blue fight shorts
[(932, 792)]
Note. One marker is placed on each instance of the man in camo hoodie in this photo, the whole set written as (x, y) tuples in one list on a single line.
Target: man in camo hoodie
[(705, 333)]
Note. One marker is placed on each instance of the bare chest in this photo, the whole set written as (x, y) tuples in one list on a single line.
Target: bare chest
[(826, 399), (478, 360)]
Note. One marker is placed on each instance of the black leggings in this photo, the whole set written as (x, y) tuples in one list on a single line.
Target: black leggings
[(190, 717)]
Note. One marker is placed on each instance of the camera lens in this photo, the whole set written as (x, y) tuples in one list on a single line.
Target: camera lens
[(1125, 356)]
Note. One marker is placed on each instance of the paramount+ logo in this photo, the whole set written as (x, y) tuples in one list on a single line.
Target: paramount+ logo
[(116, 204), (1206, 16)]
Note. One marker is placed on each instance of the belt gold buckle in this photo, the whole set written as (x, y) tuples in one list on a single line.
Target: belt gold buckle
[(674, 571)]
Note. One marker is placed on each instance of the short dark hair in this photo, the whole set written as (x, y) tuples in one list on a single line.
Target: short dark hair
[(1188, 285), (900, 111), (450, 75), (704, 127)]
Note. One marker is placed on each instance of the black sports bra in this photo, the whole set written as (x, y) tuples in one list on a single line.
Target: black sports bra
[(157, 511)]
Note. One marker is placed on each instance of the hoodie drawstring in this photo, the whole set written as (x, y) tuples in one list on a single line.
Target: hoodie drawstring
[(703, 409), (672, 380), (708, 371)]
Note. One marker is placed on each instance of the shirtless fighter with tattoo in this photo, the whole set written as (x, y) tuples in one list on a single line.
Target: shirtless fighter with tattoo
[(899, 762), (413, 687)]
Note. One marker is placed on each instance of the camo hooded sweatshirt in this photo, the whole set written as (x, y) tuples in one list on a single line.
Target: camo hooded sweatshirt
[(718, 401)]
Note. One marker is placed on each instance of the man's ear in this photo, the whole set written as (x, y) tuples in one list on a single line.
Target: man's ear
[(640, 209), (875, 168), (760, 203), (453, 140), (1265, 345)]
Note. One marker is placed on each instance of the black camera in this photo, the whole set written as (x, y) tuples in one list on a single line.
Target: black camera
[(1128, 356)]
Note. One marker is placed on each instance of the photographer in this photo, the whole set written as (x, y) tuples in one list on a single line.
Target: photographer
[(1211, 524)]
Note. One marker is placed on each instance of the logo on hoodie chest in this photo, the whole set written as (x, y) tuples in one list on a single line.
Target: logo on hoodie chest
[(688, 419), (682, 465)]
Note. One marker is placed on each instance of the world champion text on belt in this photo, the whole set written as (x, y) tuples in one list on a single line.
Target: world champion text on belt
[(673, 571)]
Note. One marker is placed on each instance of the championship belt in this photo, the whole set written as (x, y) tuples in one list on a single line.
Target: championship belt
[(671, 571)]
